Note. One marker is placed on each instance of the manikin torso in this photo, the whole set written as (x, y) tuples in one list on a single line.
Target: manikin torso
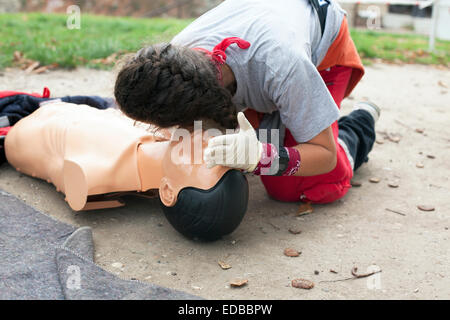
[(86, 152)]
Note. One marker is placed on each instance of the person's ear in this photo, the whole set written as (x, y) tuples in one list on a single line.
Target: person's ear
[(167, 193)]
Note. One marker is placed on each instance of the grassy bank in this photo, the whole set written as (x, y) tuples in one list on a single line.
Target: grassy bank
[(407, 48), (46, 39)]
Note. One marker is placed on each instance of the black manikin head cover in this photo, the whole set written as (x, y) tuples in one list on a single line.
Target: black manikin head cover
[(210, 214)]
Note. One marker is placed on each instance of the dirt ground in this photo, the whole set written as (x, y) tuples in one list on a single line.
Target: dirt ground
[(411, 247)]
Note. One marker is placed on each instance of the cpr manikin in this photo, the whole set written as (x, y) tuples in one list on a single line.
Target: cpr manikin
[(93, 156)]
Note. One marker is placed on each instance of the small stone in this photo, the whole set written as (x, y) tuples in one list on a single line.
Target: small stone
[(430, 156), (302, 284), (393, 185), (379, 141), (420, 130), (295, 230), (374, 180), (148, 277), (416, 290), (316, 272), (420, 165)]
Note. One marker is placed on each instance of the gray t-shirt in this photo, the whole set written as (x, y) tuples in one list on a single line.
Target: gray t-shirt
[(279, 70)]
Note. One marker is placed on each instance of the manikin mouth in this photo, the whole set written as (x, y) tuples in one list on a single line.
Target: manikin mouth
[(210, 214)]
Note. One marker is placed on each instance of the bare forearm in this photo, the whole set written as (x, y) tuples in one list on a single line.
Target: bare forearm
[(315, 160)]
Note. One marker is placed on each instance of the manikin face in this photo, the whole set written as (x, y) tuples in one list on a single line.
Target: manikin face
[(183, 166), (199, 202)]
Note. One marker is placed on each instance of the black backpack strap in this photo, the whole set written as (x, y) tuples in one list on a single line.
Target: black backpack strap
[(321, 6)]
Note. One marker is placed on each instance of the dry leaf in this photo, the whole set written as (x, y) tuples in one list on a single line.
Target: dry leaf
[(419, 130), (374, 180), (289, 252), (364, 275), (442, 84), (238, 282), (355, 183), (106, 61), (305, 208), (395, 139), (32, 66), (18, 56), (224, 265), (45, 68), (302, 284), (333, 271), (295, 230), (425, 208), (41, 69)]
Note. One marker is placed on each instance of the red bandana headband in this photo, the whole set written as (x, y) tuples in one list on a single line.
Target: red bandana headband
[(218, 54)]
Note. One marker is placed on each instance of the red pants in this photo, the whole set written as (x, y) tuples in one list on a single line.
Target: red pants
[(327, 187)]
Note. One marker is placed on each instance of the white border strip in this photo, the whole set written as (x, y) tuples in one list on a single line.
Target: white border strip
[(421, 4)]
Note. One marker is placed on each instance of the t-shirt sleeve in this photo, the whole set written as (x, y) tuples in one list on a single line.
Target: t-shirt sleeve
[(300, 94)]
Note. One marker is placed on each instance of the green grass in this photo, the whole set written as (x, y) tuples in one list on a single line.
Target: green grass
[(45, 38), (407, 48)]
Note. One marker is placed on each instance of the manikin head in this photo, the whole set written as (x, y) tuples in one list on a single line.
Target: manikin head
[(200, 202)]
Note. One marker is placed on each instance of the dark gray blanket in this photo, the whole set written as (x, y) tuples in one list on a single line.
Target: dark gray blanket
[(42, 258)]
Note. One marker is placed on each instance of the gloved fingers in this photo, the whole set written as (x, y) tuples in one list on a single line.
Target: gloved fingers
[(219, 155), (244, 124), (222, 140)]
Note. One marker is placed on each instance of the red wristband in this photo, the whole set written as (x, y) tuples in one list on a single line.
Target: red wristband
[(288, 161)]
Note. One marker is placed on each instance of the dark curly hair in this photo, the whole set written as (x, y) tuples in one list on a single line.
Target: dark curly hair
[(169, 85)]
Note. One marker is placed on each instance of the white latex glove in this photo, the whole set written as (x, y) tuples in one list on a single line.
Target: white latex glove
[(240, 150)]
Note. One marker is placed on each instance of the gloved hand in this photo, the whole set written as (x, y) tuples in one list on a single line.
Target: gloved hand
[(240, 150)]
